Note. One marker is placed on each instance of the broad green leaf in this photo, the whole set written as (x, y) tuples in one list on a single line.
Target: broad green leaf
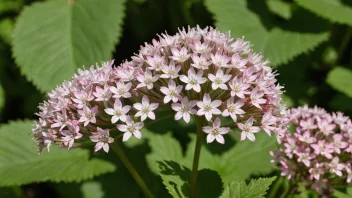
[(164, 147), (20, 163), (52, 39), (347, 194), (333, 10), (176, 179), (6, 28), (341, 79), (255, 189), (279, 41), (281, 8), (244, 158), (92, 189), (10, 5)]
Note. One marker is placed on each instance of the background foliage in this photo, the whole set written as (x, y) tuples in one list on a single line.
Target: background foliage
[(42, 43)]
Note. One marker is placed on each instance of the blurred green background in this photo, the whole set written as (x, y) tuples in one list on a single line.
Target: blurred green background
[(42, 43)]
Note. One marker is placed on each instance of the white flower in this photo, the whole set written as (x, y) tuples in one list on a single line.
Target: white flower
[(88, 115), (216, 132), (156, 63), (256, 98), (248, 130), (184, 109), (208, 108), (233, 109), (193, 80), (103, 140), (121, 90), (172, 92), (171, 71), (102, 94), (238, 88), (145, 109), (146, 79), (180, 55), (219, 80), (130, 128), (118, 112), (200, 62)]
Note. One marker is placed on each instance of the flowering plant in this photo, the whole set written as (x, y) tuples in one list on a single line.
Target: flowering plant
[(201, 73), (318, 152)]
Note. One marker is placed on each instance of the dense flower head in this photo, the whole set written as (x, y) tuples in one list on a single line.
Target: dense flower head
[(199, 73), (318, 152)]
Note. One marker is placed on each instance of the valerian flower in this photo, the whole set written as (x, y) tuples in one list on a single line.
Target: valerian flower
[(316, 151), (199, 74)]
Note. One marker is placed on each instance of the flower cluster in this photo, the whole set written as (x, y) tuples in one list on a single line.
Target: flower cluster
[(319, 150), (200, 73)]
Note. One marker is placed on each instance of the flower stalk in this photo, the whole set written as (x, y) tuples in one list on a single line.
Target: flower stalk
[(118, 150), (197, 149)]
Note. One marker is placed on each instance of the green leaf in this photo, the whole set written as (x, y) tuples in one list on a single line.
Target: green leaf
[(279, 41), (92, 189), (176, 179), (6, 28), (164, 147), (70, 34), (333, 10), (341, 79), (244, 158), (20, 163), (255, 189), (281, 8)]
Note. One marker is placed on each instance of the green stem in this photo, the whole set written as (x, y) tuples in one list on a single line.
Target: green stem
[(196, 158), (118, 150)]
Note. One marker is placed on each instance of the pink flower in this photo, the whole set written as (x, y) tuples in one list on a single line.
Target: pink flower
[(233, 109), (208, 107), (88, 115), (130, 128), (219, 80), (238, 88), (180, 55), (323, 148), (118, 112), (193, 80), (156, 63), (69, 136), (102, 139), (171, 71), (102, 94), (336, 167), (147, 79), (216, 132), (145, 109), (338, 143), (171, 92), (184, 109), (256, 98), (248, 129), (200, 62), (121, 90)]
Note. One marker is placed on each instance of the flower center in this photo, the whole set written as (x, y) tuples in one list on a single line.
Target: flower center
[(207, 107), (103, 138)]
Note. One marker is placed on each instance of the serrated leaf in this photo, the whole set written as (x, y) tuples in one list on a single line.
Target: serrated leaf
[(255, 189), (21, 164), (244, 158), (341, 79), (333, 10), (70, 34), (176, 178), (279, 42), (164, 147), (281, 8)]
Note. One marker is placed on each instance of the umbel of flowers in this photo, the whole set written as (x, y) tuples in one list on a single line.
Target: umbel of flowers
[(318, 152), (200, 72)]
